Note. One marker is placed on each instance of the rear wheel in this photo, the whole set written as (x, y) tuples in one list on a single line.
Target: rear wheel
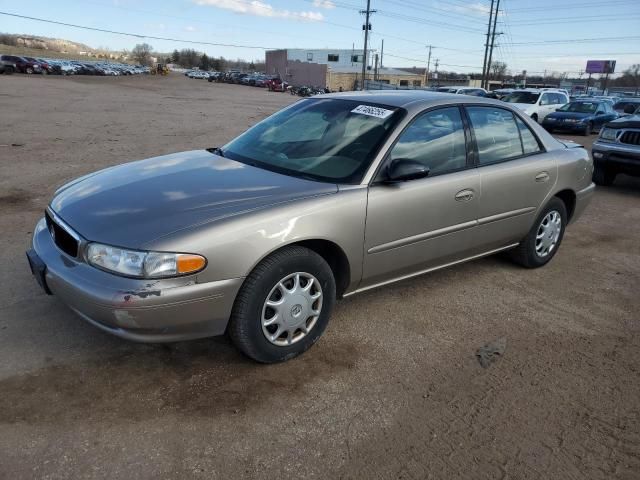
[(283, 306), (603, 176), (543, 240)]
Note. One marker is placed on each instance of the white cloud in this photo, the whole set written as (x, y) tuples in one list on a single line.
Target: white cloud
[(261, 9), (472, 8), (190, 28), (324, 4)]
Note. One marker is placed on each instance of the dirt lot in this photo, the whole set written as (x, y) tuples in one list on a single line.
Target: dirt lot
[(393, 390)]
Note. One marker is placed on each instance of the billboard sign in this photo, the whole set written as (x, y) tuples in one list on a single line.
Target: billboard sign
[(601, 66)]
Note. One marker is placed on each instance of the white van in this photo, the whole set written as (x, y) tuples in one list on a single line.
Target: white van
[(537, 103)]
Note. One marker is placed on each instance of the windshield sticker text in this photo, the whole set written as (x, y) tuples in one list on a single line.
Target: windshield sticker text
[(372, 111)]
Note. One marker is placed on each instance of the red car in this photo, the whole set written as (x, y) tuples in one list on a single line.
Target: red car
[(277, 85), (23, 65), (45, 68)]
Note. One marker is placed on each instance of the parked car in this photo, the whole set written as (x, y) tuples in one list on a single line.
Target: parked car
[(621, 105), (22, 64), (258, 238), (537, 103), (277, 85), (7, 66), (583, 116), (45, 69), (617, 149)]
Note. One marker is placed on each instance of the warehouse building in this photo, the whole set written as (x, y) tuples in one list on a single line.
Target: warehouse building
[(335, 69)]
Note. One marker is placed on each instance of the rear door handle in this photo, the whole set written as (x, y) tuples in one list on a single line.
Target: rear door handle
[(464, 195), (542, 177)]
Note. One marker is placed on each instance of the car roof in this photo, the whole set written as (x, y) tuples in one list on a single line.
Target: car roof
[(405, 98)]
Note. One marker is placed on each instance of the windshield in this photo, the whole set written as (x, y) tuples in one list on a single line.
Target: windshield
[(331, 139), (580, 107), (522, 97)]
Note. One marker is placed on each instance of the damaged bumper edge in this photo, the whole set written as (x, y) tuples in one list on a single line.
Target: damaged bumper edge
[(166, 310)]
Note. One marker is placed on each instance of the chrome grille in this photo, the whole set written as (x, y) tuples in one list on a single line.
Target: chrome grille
[(631, 137)]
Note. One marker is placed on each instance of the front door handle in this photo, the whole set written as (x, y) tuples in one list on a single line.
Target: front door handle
[(542, 177), (464, 195)]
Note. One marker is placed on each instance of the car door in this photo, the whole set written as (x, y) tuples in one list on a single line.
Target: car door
[(414, 225), (516, 175), (547, 105)]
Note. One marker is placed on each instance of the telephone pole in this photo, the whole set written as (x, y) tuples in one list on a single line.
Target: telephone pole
[(435, 74), (366, 27), (493, 39), (486, 46), (426, 72)]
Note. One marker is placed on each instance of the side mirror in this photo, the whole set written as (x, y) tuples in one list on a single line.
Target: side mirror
[(403, 169), (558, 110), (599, 113)]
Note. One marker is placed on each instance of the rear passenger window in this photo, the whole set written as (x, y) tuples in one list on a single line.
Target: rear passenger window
[(497, 134), (529, 143)]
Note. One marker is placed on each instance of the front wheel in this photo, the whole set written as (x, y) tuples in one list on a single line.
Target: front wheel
[(534, 117), (588, 129), (283, 306), (29, 70), (543, 240)]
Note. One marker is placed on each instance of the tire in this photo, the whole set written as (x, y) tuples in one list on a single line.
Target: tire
[(588, 129), (265, 283), (535, 117), (603, 176), (44, 72), (29, 70), (527, 253)]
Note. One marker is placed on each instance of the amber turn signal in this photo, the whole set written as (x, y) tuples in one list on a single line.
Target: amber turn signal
[(187, 263)]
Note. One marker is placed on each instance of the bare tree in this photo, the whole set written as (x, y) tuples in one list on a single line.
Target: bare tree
[(141, 53), (498, 69), (633, 72)]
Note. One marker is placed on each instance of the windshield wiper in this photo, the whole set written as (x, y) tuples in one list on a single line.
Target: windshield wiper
[(217, 151)]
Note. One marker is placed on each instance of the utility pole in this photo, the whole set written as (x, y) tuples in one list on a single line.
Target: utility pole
[(366, 27), (381, 53), (435, 75), (493, 39), (486, 46), (426, 72), (375, 69)]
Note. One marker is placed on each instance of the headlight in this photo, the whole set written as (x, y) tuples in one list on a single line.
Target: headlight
[(608, 134), (141, 264)]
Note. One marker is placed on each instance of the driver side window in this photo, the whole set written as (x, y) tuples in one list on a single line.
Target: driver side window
[(435, 139)]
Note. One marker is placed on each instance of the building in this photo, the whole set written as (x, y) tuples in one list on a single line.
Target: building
[(335, 69)]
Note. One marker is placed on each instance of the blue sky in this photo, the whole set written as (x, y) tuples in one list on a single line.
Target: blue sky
[(537, 36)]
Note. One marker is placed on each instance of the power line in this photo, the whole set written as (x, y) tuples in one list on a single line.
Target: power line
[(136, 35)]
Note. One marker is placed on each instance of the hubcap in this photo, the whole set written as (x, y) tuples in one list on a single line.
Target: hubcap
[(291, 309), (548, 233)]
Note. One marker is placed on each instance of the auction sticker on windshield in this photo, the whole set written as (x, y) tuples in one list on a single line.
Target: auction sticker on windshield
[(372, 111)]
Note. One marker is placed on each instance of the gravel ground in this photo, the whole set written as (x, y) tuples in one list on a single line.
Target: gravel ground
[(393, 390)]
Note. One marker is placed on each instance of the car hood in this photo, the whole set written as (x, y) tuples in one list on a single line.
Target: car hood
[(574, 115), (135, 203), (629, 121)]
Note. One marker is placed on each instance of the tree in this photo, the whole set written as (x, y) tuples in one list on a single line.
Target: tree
[(633, 72), (205, 64), (141, 53), (175, 57), (498, 69)]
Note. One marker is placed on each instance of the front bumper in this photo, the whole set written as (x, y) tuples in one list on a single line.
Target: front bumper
[(620, 157), (564, 126), (163, 310)]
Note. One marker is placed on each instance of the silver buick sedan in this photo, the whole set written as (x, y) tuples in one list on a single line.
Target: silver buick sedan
[(329, 197)]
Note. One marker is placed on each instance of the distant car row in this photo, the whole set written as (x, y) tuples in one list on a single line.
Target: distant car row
[(29, 65)]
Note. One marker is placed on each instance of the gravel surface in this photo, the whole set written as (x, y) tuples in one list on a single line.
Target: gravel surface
[(393, 390)]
